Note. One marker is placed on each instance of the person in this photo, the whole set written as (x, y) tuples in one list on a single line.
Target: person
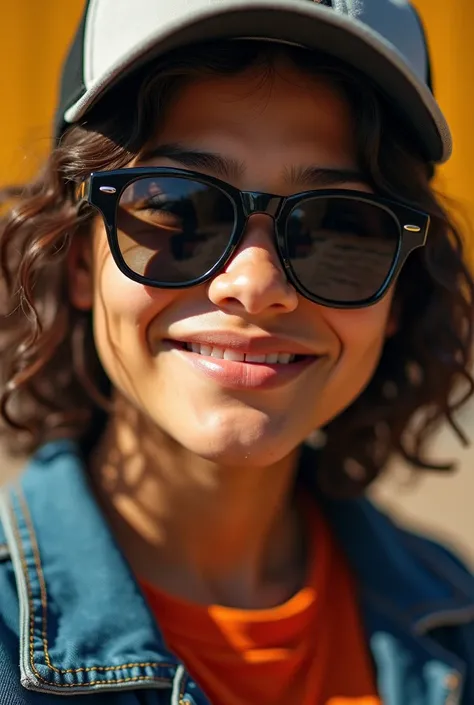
[(230, 297)]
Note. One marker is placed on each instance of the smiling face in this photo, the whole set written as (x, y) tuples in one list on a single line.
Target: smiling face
[(275, 135)]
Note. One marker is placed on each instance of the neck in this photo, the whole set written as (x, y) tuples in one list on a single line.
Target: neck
[(198, 530)]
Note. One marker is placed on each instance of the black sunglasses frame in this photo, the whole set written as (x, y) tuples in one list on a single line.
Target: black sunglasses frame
[(103, 190)]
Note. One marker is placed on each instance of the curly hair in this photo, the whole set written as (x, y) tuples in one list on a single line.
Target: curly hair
[(52, 382)]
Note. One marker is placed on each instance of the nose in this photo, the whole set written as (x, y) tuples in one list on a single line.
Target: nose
[(254, 280)]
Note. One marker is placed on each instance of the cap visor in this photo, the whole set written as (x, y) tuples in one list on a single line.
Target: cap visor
[(304, 23)]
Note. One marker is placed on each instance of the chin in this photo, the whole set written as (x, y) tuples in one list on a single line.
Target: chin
[(257, 441), (256, 455)]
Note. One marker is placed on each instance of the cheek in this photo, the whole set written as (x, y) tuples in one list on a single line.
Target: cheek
[(119, 298), (361, 335), (362, 328), (123, 310)]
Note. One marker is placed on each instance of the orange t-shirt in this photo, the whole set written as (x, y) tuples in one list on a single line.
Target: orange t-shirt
[(310, 650)]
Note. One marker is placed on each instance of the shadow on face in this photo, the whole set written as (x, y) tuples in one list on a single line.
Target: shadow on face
[(279, 132)]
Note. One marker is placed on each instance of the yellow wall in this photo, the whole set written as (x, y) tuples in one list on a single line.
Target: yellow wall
[(33, 40), (451, 36), (34, 37)]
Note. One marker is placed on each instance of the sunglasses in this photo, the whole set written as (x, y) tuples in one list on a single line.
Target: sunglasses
[(172, 228)]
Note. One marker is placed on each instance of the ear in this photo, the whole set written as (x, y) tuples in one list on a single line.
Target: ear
[(80, 272)]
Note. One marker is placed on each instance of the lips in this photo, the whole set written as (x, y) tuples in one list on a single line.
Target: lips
[(237, 363)]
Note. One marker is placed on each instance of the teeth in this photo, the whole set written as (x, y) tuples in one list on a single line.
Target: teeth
[(272, 359), (234, 355), (255, 358), (227, 354), (284, 358)]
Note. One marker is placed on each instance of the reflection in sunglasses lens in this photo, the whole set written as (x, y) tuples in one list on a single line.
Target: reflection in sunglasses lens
[(342, 249), (173, 229)]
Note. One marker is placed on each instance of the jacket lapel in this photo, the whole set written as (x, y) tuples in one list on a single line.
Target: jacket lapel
[(409, 587), (84, 622)]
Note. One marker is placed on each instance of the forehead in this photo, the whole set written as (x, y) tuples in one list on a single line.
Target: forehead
[(266, 109)]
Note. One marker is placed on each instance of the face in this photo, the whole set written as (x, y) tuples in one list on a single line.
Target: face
[(266, 133)]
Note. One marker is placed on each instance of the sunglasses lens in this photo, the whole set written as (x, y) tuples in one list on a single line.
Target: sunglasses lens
[(173, 230), (342, 249)]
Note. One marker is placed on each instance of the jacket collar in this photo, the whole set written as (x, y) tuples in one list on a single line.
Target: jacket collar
[(409, 587), (412, 576), (85, 624)]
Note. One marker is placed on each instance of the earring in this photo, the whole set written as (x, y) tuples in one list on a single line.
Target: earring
[(317, 439)]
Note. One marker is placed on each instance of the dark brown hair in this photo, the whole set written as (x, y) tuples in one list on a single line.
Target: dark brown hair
[(51, 378)]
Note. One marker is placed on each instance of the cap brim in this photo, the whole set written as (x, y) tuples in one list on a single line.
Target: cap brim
[(307, 24)]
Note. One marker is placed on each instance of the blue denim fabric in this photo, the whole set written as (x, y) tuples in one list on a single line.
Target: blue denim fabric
[(74, 622)]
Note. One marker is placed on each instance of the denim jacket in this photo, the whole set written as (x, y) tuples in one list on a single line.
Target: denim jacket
[(74, 622)]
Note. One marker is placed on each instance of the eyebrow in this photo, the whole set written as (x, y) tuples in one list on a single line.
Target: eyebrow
[(224, 167), (228, 168), (323, 176)]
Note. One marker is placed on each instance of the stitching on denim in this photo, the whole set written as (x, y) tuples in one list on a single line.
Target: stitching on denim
[(182, 690), (101, 682), (183, 677), (44, 598)]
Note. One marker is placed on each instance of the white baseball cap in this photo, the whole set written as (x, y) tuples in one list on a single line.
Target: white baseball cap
[(383, 39)]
